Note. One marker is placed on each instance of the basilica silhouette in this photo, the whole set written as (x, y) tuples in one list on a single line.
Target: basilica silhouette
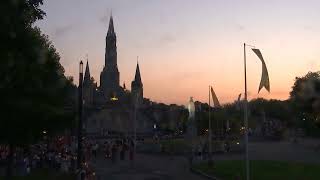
[(109, 107), (110, 89)]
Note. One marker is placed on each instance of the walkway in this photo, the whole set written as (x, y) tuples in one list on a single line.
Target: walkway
[(147, 167)]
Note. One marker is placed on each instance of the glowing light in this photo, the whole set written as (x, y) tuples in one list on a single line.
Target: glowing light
[(114, 99), (238, 143), (44, 132)]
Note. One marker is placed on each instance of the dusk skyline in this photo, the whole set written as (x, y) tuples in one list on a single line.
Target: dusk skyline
[(184, 47)]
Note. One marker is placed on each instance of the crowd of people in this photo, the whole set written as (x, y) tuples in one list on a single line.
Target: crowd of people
[(116, 149), (59, 154), (56, 154)]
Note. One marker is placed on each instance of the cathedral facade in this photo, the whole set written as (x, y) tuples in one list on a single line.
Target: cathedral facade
[(110, 89), (109, 106)]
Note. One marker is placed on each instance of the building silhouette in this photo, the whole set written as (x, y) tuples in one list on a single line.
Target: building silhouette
[(110, 89), (109, 107)]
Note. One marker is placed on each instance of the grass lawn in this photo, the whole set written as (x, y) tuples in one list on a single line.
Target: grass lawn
[(44, 174), (263, 170)]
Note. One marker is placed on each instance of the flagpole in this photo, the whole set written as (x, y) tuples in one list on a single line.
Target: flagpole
[(246, 114), (209, 131), (218, 129)]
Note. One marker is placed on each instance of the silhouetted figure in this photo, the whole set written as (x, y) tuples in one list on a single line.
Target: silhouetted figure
[(107, 150), (121, 151), (131, 151), (114, 153)]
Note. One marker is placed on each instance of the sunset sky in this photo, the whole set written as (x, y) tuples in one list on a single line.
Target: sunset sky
[(185, 45)]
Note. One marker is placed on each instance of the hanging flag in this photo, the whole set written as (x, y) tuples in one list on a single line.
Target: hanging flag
[(264, 82), (215, 99), (238, 103)]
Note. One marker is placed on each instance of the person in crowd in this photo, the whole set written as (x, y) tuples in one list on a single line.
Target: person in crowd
[(95, 149), (113, 152), (107, 149), (131, 151), (121, 148)]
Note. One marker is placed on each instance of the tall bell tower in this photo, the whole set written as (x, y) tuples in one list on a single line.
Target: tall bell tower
[(109, 77)]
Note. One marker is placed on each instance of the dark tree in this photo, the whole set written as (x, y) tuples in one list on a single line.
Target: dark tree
[(305, 100), (34, 92)]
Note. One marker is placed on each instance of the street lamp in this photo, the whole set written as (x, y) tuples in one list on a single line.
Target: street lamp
[(80, 103)]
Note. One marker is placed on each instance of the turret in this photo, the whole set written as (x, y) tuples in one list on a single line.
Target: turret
[(88, 87), (137, 87), (87, 76)]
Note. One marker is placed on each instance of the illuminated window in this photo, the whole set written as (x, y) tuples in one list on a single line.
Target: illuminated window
[(114, 99)]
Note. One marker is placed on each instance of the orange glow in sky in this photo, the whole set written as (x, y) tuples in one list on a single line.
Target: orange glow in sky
[(185, 46)]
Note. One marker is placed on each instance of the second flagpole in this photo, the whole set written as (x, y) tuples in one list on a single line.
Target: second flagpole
[(209, 133), (246, 115)]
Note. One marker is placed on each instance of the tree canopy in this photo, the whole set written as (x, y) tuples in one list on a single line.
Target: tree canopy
[(33, 88), (305, 93), (305, 102)]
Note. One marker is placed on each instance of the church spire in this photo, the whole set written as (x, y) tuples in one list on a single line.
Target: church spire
[(87, 72), (111, 28), (137, 87), (137, 77)]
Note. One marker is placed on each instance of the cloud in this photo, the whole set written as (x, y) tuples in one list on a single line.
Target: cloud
[(60, 31), (165, 40), (312, 63), (186, 77), (239, 27), (310, 28)]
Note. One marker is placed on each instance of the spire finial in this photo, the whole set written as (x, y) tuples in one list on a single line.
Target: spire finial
[(111, 28), (137, 75)]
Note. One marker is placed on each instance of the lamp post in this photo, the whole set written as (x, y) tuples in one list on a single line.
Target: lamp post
[(209, 133), (80, 103)]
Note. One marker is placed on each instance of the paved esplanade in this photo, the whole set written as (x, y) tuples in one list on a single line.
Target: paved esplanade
[(147, 167)]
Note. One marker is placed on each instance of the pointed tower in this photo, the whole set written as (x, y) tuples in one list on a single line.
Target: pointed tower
[(87, 76), (137, 77), (109, 77), (88, 87), (137, 86)]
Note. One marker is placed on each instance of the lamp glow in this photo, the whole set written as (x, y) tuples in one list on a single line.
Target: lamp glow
[(114, 99)]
